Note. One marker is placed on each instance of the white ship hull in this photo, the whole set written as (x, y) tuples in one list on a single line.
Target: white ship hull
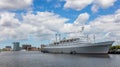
[(95, 48)]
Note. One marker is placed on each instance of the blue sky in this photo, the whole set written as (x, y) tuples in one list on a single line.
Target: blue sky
[(50, 6), (28, 21)]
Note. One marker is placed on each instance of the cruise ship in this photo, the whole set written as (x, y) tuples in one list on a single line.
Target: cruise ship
[(79, 45)]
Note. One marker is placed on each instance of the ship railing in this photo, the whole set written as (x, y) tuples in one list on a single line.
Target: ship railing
[(68, 42)]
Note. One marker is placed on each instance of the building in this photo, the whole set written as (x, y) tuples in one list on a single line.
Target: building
[(16, 46), (26, 46), (7, 48), (35, 49), (29, 47)]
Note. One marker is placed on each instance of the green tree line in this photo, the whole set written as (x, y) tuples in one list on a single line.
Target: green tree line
[(115, 47)]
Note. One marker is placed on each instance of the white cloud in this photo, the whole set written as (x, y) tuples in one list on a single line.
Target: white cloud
[(81, 4), (8, 20), (104, 3), (39, 24), (68, 27), (8, 24), (81, 19), (95, 8), (72, 28), (77, 4), (15, 4), (45, 19), (42, 23), (105, 27)]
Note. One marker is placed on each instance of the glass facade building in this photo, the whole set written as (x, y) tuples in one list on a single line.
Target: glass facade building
[(16, 46)]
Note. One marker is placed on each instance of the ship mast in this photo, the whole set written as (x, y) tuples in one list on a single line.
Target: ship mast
[(87, 38), (82, 29), (59, 37), (56, 37), (94, 38)]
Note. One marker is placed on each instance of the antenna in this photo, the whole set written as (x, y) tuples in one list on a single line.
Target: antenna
[(87, 38), (56, 37), (59, 37), (94, 38), (82, 29)]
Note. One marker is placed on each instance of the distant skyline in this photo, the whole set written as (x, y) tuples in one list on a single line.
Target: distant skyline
[(37, 21)]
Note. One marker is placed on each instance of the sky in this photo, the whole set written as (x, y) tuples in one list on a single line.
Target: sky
[(37, 21)]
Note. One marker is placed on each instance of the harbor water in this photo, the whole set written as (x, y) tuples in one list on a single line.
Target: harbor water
[(38, 59)]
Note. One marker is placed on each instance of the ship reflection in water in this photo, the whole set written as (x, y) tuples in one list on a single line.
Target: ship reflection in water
[(38, 59)]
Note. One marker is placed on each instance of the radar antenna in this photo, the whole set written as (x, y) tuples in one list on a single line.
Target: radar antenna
[(82, 29)]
